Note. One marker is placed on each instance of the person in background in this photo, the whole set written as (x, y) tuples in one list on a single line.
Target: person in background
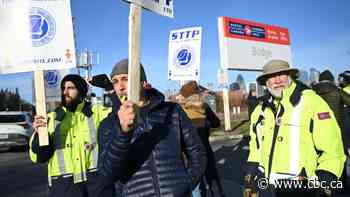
[(252, 101), (204, 118)]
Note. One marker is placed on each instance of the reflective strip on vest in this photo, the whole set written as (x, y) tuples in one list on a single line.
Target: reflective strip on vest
[(59, 148), (294, 135), (79, 177), (93, 140)]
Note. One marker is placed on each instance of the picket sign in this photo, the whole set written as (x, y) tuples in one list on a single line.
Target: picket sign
[(44, 42)]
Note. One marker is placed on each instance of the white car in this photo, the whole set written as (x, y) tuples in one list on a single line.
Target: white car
[(15, 129)]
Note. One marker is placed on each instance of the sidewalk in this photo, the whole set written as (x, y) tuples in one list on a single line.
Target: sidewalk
[(222, 135)]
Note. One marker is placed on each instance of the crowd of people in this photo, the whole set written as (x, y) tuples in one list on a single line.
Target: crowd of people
[(156, 148)]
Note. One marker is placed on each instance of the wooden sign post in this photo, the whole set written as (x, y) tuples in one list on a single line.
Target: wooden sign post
[(134, 53), (223, 81), (164, 8), (40, 105)]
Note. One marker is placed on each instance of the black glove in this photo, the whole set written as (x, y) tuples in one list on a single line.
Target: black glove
[(325, 177)]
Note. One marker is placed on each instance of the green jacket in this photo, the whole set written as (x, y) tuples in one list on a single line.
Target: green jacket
[(295, 135), (73, 143)]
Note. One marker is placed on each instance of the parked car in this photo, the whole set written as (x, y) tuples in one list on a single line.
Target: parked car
[(15, 129)]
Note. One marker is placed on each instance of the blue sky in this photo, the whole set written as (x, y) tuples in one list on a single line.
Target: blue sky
[(319, 32)]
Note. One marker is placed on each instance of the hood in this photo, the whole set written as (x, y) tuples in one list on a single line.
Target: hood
[(324, 87)]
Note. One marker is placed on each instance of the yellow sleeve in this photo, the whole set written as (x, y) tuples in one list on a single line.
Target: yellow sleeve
[(253, 149), (327, 137)]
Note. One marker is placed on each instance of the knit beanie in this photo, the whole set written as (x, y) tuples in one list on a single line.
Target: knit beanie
[(79, 83), (189, 89), (326, 75), (122, 68)]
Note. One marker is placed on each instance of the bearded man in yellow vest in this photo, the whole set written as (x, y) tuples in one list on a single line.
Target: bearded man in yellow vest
[(73, 150), (294, 138)]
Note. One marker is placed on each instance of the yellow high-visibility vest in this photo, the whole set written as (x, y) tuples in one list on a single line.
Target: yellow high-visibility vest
[(75, 142)]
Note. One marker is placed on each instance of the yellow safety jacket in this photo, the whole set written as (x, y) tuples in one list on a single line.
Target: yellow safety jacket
[(75, 142), (300, 134), (347, 89)]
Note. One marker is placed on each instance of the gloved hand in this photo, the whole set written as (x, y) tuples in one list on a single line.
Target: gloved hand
[(322, 192), (328, 177), (250, 187)]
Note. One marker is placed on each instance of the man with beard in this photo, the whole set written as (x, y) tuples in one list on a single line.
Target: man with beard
[(294, 138), (145, 145), (72, 152)]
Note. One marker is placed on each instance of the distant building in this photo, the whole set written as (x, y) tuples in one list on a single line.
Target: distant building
[(241, 83), (314, 75), (252, 86), (304, 77)]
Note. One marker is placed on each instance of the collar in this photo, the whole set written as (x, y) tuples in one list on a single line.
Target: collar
[(287, 92), (292, 94), (84, 107)]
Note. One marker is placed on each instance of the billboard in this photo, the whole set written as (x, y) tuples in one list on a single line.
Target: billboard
[(247, 45)]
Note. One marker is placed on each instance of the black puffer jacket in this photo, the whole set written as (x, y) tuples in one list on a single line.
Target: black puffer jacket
[(150, 162)]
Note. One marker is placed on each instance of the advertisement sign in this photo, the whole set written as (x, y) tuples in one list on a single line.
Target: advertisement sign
[(247, 45), (39, 36), (162, 7), (184, 54)]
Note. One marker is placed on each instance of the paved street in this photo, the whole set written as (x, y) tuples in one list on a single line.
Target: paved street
[(20, 178)]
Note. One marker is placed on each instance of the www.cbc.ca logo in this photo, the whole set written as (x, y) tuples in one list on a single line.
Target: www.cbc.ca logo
[(51, 78), (184, 57), (42, 25)]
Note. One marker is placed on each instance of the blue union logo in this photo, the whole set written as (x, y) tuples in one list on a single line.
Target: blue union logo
[(184, 57), (51, 78), (42, 26)]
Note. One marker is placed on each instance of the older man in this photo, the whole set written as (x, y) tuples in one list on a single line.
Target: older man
[(294, 137)]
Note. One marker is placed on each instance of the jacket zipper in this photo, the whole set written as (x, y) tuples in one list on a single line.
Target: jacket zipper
[(155, 177)]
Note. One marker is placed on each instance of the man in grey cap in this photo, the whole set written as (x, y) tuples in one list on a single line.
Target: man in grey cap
[(144, 152), (295, 138)]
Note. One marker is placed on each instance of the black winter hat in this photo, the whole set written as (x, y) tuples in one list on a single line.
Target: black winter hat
[(122, 68), (326, 76), (79, 83)]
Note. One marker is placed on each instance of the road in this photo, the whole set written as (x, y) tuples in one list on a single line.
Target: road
[(20, 178)]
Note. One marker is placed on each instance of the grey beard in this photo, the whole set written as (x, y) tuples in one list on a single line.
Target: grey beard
[(275, 93), (278, 93)]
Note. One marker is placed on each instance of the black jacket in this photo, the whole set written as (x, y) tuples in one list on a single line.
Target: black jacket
[(149, 161), (335, 98)]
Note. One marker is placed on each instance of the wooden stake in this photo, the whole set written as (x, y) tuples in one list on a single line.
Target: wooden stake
[(40, 105), (134, 53), (226, 109)]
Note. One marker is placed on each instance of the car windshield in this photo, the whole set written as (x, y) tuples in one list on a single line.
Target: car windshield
[(11, 118)]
